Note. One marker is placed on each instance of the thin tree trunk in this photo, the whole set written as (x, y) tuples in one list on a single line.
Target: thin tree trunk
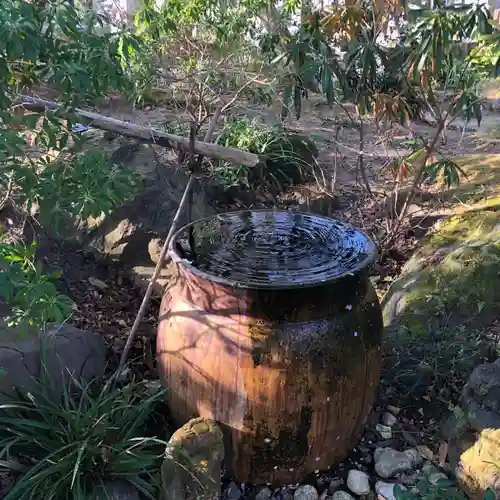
[(361, 156)]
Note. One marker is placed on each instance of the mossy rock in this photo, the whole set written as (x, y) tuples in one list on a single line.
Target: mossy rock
[(448, 295)]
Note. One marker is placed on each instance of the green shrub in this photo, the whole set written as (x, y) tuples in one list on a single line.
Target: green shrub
[(289, 157), (30, 292), (64, 448)]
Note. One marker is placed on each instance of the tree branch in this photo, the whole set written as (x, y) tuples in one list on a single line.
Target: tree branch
[(150, 135)]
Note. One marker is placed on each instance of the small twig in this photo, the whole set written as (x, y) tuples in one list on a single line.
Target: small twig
[(8, 193)]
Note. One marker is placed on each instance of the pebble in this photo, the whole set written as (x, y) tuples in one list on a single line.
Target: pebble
[(334, 485), (389, 419), (264, 494), (393, 409), (342, 495), (305, 492), (434, 477), (358, 482), (233, 491), (409, 479), (384, 430), (389, 462), (386, 490), (117, 490)]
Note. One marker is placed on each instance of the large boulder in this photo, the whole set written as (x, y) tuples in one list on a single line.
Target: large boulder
[(63, 352), (133, 233), (458, 262), (473, 433), (438, 312)]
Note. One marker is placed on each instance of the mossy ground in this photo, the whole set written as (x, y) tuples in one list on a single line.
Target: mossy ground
[(442, 313)]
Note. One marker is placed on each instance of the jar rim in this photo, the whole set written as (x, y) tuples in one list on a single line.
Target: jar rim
[(327, 237)]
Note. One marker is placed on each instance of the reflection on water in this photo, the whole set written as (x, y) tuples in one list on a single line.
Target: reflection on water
[(276, 248)]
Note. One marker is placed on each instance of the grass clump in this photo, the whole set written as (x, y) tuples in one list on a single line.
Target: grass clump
[(289, 157), (65, 447)]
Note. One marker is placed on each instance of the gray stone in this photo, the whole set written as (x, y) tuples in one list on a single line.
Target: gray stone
[(233, 491), (117, 490), (385, 490), (384, 431), (434, 477), (483, 386), (334, 485), (342, 495), (358, 482), (264, 494), (479, 416), (389, 420), (389, 462), (193, 463), (305, 492), (64, 351)]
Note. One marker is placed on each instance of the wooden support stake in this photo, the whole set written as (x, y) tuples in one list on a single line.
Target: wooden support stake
[(161, 258)]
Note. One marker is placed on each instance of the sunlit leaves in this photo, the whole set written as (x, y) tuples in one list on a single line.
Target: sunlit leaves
[(31, 293), (477, 21), (445, 169), (89, 185)]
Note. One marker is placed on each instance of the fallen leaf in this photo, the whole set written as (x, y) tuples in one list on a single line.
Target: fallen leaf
[(443, 453), (425, 452), (97, 283), (393, 409)]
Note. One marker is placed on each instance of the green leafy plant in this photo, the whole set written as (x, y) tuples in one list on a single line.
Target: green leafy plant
[(32, 294), (290, 158), (81, 55), (442, 489), (447, 168), (63, 447), (89, 185)]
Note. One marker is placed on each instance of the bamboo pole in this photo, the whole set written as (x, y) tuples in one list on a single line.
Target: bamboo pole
[(161, 258), (150, 135)]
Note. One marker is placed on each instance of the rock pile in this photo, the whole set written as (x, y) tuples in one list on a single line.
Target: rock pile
[(475, 434)]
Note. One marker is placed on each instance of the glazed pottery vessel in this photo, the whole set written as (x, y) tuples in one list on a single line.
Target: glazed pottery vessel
[(273, 329)]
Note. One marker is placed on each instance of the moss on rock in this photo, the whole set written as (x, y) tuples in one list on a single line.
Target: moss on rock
[(437, 314), (455, 272)]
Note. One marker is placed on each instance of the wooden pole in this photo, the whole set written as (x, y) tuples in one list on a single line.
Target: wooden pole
[(161, 258), (150, 135)]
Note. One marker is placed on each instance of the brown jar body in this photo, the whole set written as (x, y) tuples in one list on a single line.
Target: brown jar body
[(289, 374)]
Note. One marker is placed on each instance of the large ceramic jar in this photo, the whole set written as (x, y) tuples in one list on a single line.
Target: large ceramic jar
[(273, 329)]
